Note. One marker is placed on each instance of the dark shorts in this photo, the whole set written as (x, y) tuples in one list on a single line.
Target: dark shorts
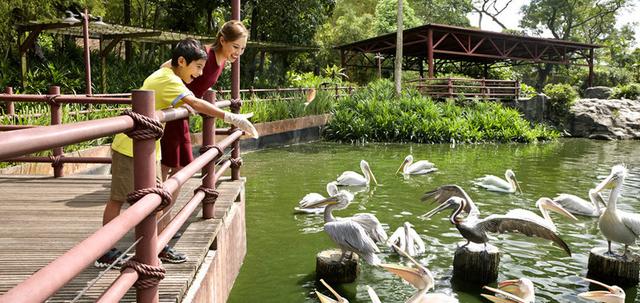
[(176, 144)]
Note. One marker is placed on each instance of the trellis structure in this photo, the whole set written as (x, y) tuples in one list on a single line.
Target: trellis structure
[(445, 43)]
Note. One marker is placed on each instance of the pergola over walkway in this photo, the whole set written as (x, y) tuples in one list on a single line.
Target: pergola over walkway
[(452, 43)]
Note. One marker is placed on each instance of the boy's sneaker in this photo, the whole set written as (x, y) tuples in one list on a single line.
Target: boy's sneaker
[(170, 255), (110, 257)]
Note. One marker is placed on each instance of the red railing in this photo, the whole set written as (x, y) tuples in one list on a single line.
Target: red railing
[(54, 100), (49, 279), (468, 88)]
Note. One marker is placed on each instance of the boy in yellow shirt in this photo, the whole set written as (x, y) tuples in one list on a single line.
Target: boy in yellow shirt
[(187, 61)]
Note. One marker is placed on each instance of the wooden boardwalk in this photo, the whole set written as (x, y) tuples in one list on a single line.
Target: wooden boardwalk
[(42, 217)]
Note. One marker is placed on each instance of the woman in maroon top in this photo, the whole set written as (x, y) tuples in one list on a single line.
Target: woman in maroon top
[(176, 141)]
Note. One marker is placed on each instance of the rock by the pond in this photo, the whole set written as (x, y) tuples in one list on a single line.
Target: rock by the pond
[(605, 119), (598, 92)]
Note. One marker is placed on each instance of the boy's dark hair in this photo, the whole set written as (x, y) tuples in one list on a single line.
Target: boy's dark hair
[(190, 49)]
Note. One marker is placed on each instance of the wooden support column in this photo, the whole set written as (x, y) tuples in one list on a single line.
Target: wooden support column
[(87, 57), (430, 52), (23, 47), (590, 61)]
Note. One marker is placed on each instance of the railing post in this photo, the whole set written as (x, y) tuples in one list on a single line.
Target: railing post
[(450, 87), (517, 89), (337, 92), (11, 109), (209, 139), (56, 119), (235, 153), (350, 90), (252, 94), (144, 176), (483, 89)]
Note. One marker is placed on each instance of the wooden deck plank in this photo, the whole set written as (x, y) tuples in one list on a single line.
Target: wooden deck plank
[(42, 217)]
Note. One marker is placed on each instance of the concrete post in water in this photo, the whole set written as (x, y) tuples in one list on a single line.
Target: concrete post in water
[(472, 263), (613, 269), (329, 267)]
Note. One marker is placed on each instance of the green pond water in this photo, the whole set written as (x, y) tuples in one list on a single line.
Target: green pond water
[(282, 245)]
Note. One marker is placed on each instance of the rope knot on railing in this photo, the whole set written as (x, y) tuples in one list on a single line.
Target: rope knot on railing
[(206, 148), (148, 275), (235, 105), (144, 127), (164, 194), (55, 160), (210, 194), (235, 162), (51, 99)]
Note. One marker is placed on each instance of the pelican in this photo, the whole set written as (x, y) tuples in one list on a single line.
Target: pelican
[(617, 226), (613, 294), (579, 206), (407, 239), (327, 299), (332, 190), (418, 168), (419, 277), (358, 233), (544, 205), (351, 178), (512, 291), (475, 230), (507, 185)]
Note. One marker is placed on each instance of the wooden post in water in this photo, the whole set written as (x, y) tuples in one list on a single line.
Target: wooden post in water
[(329, 267), (472, 263), (613, 269)]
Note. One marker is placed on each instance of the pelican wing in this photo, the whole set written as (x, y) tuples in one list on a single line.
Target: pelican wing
[(350, 235), (371, 226), (351, 178), (529, 215), (631, 221), (492, 182), (523, 225), (420, 167), (417, 241), (444, 192), (436, 297), (309, 198), (576, 205)]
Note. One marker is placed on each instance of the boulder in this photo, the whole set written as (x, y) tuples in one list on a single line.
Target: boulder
[(598, 92), (604, 119)]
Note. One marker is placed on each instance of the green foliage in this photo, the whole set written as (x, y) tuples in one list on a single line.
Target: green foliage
[(561, 97), (387, 16), (375, 114), (527, 91), (629, 91), (451, 12)]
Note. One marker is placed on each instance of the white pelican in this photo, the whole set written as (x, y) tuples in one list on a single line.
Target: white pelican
[(351, 178), (579, 206), (544, 205), (475, 230), (507, 185), (418, 168), (421, 278), (613, 294), (332, 190), (327, 299), (617, 226), (358, 233), (407, 239), (512, 291)]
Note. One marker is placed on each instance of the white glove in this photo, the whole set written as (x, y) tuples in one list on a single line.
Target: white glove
[(242, 122)]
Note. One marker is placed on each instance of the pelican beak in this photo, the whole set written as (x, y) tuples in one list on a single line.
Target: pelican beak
[(607, 183), (402, 166), (508, 285), (517, 185), (323, 202), (609, 295), (508, 297), (436, 210), (409, 274), (325, 299), (557, 208)]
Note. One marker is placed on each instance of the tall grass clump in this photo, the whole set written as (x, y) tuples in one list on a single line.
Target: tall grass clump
[(376, 114)]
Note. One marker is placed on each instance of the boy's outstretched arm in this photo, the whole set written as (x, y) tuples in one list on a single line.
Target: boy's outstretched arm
[(239, 120)]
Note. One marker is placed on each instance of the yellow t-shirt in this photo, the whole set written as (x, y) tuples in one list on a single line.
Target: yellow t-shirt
[(169, 91)]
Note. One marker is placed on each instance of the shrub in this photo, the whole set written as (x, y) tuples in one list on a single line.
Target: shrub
[(527, 91), (561, 96), (629, 91)]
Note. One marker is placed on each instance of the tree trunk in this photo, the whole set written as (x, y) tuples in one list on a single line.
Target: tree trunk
[(398, 63), (543, 73)]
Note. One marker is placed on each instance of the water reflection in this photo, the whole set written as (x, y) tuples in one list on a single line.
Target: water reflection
[(279, 266)]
